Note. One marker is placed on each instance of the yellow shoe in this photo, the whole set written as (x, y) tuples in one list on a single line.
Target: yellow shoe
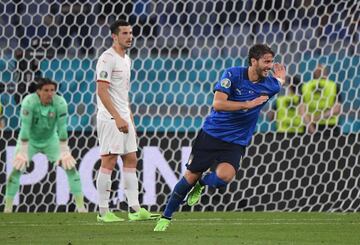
[(109, 217), (162, 224)]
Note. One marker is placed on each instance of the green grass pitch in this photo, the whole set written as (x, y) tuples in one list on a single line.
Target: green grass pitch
[(186, 228)]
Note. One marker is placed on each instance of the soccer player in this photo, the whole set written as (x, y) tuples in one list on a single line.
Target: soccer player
[(239, 96), (44, 129), (115, 125)]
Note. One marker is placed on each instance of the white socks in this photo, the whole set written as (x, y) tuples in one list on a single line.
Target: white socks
[(130, 185), (103, 184), (131, 188)]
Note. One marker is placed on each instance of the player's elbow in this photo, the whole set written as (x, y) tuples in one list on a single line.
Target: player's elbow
[(217, 105)]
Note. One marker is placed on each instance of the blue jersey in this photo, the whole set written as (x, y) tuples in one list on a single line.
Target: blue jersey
[(238, 126)]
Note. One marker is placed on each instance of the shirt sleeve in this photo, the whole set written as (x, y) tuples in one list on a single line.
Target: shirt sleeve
[(26, 115), (104, 67), (225, 82), (62, 117)]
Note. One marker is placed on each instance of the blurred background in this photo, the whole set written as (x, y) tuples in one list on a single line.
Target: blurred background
[(180, 50)]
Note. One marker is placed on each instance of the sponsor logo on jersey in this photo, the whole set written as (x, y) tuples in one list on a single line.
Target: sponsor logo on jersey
[(225, 83), (103, 74)]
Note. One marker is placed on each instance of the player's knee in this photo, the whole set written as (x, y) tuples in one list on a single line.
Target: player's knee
[(191, 177), (225, 172), (129, 164), (108, 161), (129, 160), (226, 177)]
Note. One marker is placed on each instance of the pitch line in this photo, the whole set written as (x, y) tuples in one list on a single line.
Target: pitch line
[(216, 221)]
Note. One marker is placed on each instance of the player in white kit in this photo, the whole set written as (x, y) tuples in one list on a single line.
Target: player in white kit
[(115, 125)]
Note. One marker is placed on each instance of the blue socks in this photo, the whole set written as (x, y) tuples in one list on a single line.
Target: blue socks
[(177, 196), (182, 188), (212, 180)]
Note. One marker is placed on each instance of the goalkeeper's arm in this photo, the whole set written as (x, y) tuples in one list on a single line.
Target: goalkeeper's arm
[(66, 159), (26, 115)]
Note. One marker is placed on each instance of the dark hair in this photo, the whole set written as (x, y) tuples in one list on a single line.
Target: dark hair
[(42, 81), (114, 27), (259, 50)]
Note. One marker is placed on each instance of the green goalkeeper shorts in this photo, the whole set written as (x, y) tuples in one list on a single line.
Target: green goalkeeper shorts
[(51, 149)]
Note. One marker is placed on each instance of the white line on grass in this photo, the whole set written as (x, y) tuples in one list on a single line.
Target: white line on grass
[(196, 224), (214, 221), (259, 219), (199, 220)]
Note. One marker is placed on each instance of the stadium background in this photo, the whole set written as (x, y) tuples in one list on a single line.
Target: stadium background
[(180, 49)]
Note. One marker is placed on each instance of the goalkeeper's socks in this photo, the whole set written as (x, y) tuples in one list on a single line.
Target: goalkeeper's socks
[(177, 196), (79, 202), (8, 204), (212, 180), (13, 183), (74, 181)]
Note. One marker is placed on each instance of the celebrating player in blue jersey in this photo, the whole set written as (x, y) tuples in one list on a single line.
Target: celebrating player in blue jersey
[(239, 96)]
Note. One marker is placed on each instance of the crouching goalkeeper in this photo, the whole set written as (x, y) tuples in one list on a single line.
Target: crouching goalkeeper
[(44, 129)]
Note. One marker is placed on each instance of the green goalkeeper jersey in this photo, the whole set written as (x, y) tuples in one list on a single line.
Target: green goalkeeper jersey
[(43, 123)]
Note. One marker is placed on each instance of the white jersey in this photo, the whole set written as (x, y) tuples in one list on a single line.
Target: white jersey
[(115, 70)]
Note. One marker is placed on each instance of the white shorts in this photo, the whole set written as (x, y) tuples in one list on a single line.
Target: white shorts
[(112, 141)]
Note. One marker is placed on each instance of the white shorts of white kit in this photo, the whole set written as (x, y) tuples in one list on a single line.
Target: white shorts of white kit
[(112, 141)]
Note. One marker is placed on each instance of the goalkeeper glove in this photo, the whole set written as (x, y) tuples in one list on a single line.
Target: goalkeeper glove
[(67, 161), (21, 158)]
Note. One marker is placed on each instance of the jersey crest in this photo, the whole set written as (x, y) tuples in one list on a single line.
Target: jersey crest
[(51, 114), (103, 74), (225, 83)]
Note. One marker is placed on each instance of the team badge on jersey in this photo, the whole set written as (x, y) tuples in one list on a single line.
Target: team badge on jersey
[(25, 112), (51, 114), (225, 83), (103, 74)]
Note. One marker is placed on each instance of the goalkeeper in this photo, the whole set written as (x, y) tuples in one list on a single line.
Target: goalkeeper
[(43, 129)]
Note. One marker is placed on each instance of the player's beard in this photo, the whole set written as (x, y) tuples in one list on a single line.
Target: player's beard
[(126, 44), (260, 72)]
